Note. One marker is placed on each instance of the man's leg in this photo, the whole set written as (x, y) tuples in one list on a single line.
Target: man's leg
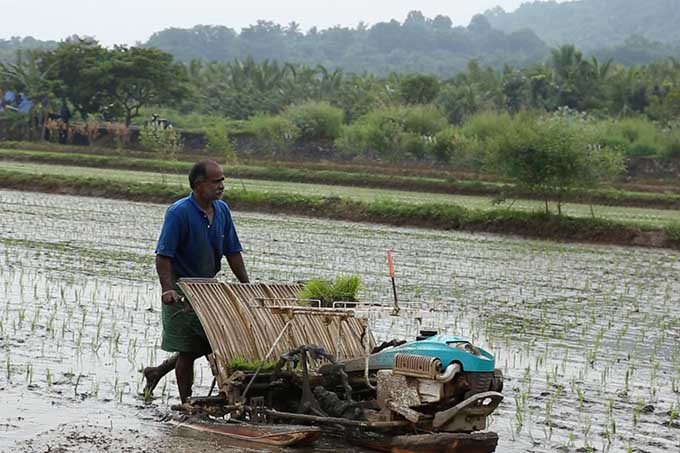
[(153, 374), (184, 372)]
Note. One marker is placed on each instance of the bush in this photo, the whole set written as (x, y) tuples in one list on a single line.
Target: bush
[(671, 149), (217, 138), (450, 145), (276, 130), (552, 156), (316, 120), (487, 126), (672, 231), (418, 88), (353, 140), (641, 150), (166, 142), (636, 137), (194, 122), (393, 132)]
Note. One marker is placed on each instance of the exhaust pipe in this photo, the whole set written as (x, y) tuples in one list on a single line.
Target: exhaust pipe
[(449, 373)]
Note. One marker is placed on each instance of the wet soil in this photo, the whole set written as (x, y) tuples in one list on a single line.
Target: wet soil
[(586, 335)]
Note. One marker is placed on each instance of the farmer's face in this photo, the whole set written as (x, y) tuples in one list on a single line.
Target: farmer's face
[(212, 186)]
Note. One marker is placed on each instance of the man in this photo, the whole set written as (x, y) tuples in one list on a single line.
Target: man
[(197, 232)]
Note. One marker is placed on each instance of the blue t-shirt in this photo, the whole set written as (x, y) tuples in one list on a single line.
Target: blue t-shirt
[(196, 246)]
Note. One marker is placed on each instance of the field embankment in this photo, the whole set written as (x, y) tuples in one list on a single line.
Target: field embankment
[(359, 177), (433, 215)]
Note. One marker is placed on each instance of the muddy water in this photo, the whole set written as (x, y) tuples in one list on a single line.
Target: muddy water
[(586, 335)]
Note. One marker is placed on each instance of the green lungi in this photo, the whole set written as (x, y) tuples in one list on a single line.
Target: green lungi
[(182, 331)]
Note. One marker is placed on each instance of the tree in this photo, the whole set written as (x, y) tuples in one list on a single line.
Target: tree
[(418, 88), (550, 157), (76, 70), (136, 76)]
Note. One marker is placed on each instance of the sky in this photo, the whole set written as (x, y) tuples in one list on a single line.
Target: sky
[(130, 21)]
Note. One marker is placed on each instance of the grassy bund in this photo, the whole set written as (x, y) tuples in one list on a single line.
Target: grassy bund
[(438, 216), (606, 196)]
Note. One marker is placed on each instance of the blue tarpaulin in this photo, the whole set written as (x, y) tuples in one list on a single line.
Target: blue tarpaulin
[(25, 106)]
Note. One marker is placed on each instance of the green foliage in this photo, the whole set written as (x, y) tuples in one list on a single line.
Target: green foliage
[(636, 137), (418, 88), (393, 132), (420, 44), (344, 289), (343, 175), (240, 364), (166, 142), (591, 24), (218, 140), (552, 156), (450, 145), (671, 149), (116, 81), (666, 106), (278, 131), (486, 126), (672, 231), (189, 122), (444, 216), (315, 120)]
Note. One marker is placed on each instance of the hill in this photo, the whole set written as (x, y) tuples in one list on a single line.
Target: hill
[(418, 44), (593, 24), (9, 47)]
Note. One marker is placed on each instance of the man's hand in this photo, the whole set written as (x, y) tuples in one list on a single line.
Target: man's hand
[(237, 266), (170, 297)]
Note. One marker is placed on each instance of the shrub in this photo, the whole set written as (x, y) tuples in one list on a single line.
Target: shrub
[(424, 120), (449, 144), (671, 147), (166, 142), (276, 130), (316, 120), (552, 156), (636, 137), (217, 138), (353, 140), (487, 126), (418, 88), (393, 132), (672, 231), (641, 150), (192, 121)]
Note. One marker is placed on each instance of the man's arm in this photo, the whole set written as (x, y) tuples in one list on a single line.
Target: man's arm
[(164, 270), (238, 267)]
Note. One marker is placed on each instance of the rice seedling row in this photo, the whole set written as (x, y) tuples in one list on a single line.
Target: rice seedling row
[(586, 335)]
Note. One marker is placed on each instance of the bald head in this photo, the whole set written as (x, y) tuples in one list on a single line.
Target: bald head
[(199, 172)]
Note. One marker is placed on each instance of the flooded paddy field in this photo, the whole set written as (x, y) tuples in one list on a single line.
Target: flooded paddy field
[(586, 335), (628, 215)]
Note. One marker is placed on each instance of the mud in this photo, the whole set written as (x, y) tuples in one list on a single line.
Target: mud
[(586, 335)]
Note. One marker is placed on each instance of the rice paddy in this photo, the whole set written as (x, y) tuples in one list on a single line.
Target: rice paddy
[(586, 335)]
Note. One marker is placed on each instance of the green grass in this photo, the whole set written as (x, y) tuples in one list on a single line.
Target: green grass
[(392, 212), (606, 196), (641, 217)]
